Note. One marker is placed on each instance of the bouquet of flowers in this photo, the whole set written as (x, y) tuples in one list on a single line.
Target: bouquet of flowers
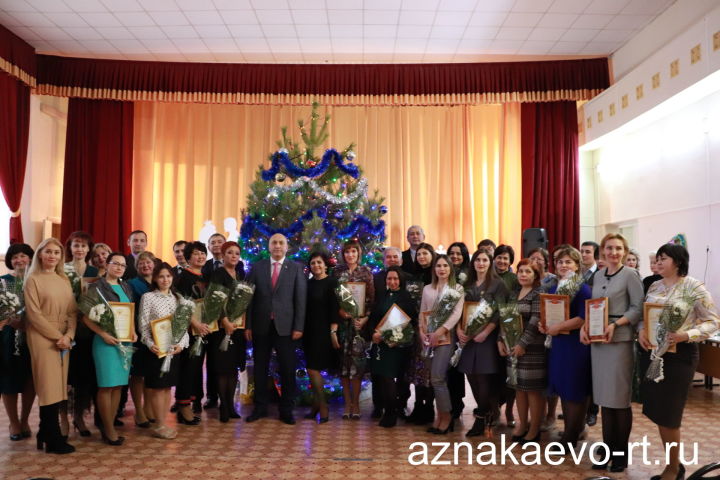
[(672, 317), (400, 335), (94, 305), (358, 345), (570, 286), (12, 305), (479, 320), (213, 306), (449, 298), (241, 295), (415, 289), (511, 329), (180, 323), (74, 278)]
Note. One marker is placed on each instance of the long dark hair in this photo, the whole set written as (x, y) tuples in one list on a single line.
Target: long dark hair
[(490, 277), (463, 251)]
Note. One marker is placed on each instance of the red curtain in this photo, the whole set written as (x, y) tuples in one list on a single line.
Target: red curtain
[(412, 79), (550, 183), (14, 130), (97, 182)]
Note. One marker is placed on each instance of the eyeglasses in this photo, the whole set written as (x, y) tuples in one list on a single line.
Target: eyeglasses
[(117, 264)]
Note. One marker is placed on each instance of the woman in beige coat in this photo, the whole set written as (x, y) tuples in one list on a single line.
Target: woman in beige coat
[(51, 318)]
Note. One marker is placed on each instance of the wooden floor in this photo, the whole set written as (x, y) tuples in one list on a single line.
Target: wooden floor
[(340, 449)]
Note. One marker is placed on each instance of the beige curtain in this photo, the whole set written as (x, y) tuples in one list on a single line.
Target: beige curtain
[(454, 170)]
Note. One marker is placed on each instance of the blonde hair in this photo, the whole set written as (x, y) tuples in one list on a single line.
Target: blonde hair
[(145, 256), (36, 264), (568, 251), (617, 236)]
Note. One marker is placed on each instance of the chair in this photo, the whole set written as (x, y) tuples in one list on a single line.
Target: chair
[(702, 472)]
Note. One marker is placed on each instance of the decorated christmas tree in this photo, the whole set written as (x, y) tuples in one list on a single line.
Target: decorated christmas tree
[(312, 200)]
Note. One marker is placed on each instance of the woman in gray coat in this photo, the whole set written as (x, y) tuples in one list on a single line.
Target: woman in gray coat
[(613, 358)]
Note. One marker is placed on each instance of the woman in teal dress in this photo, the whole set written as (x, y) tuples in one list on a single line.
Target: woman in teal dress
[(15, 373), (111, 372)]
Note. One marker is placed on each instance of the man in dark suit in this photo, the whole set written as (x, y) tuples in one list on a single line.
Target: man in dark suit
[(415, 236), (276, 319), (215, 243), (137, 241)]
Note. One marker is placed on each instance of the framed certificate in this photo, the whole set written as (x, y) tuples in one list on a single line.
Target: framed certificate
[(424, 316), (162, 334), (395, 317), (596, 318), (124, 314), (85, 282), (358, 292), (554, 309), (468, 311), (651, 319), (198, 315), (239, 322)]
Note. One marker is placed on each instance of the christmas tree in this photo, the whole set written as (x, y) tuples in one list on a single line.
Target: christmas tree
[(312, 200)]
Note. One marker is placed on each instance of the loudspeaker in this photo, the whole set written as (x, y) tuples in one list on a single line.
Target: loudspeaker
[(533, 238)]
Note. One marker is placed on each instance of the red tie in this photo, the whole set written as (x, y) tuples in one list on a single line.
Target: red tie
[(275, 273)]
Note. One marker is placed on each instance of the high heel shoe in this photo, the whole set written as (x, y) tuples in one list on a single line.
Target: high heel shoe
[(115, 443), (182, 420), (450, 428), (311, 416), (478, 428), (83, 433), (519, 438), (26, 434), (535, 439)]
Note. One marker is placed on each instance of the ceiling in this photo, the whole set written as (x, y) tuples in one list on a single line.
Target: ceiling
[(328, 31)]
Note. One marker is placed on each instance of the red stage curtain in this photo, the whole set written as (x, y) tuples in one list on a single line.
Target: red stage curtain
[(97, 184), (17, 57), (550, 183), (168, 81), (15, 122)]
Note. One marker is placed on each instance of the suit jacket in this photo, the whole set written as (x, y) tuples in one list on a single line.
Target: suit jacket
[(408, 264), (379, 283), (130, 271), (283, 305)]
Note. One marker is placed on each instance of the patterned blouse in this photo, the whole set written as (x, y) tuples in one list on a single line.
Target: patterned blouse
[(154, 305), (361, 274), (702, 321), (529, 308)]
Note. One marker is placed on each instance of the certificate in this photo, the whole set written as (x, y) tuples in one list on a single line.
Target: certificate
[(651, 319), (395, 317), (469, 309), (85, 282), (554, 309), (162, 334), (124, 315), (198, 315), (596, 318), (424, 317), (358, 292), (239, 322)]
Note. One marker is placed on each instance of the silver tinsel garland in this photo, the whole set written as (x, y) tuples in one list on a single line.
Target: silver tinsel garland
[(360, 191)]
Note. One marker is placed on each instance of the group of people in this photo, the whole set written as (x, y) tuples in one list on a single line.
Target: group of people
[(67, 352)]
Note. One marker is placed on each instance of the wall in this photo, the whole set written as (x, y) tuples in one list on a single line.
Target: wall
[(660, 180), (42, 193)]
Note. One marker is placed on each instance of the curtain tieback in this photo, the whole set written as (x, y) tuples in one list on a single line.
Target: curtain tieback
[(15, 214)]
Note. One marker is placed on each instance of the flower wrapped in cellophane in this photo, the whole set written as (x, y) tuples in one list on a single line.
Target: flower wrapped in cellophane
[(179, 324), (449, 298), (400, 335), (74, 278), (12, 307), (241, 295), (672, 317), (96, 307), (480, 317), (511, 329), (346, 301)]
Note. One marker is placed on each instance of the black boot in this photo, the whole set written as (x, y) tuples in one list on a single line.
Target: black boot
[(478, 428), (415, 415), (388, 420), (49, 432)]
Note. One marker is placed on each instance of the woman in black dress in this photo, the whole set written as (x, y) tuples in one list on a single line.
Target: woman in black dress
[(419, 375), (15, 373), (389, 362), (460, 258), (320, 341), (190, 284), (480, 359), (225, 364)]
